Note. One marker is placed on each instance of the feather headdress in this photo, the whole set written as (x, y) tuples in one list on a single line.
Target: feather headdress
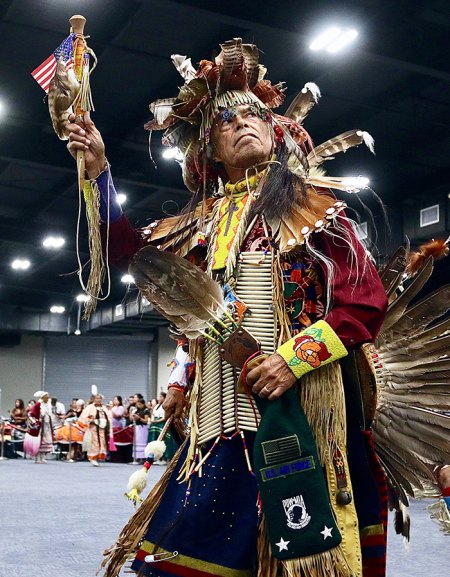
[(236, 77)]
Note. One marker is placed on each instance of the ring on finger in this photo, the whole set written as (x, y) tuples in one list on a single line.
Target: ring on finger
[(267, 389)]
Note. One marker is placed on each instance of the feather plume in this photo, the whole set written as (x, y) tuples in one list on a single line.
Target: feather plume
[(341, 143), (184, 66), (398, 307), (180, 291), (418, 317), (251, 57), (392, 274), (162, 110), (94, 390), (435, 248), (63, 90), (413, 372), (303, 102)]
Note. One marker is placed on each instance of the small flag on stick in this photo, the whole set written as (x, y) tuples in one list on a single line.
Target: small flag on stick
[(45, 72)]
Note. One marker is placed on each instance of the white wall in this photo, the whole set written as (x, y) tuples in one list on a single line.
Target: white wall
[(20, 371), (166, 352)]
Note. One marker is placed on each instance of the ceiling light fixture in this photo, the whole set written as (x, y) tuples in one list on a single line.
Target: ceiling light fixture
[(53, 242), (174, 153), (20, 264), (333, 39), (57, 309), (121, 198), (355, 183), (83, 298), (127, 279)]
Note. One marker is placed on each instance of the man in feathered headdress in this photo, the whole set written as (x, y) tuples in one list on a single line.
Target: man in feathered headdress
[(263, 483)]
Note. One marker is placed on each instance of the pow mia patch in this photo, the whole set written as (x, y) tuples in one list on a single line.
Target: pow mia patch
[(295, 511)]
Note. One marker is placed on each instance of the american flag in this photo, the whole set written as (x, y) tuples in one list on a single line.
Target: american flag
[(45, 72)]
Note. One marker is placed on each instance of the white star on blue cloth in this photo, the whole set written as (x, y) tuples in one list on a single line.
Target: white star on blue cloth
[(282, 544), (326, 532)]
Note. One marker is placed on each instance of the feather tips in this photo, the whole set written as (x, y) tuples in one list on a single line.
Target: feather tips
[(303, 102), (340, 143), (435, 248), (182, 292)]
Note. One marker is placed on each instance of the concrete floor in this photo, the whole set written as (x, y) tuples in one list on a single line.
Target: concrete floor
[(56, 519)]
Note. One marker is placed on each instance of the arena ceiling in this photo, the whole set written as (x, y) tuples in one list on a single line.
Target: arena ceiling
[(393, 82)]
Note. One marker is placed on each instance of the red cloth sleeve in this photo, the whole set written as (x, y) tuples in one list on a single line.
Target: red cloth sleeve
[(358, 304), (124, 242), (35, 411)]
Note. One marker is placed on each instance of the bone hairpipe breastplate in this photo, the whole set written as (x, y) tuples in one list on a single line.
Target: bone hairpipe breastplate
[(222, 410)]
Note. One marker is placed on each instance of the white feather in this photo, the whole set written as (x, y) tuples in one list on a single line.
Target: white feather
[(314, 89), (138, 480), (155, 448), (184, 66), (94, 390), (368, 140)]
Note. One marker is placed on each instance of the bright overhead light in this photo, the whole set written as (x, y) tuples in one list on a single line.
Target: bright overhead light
[(57, 309), (53, 242), (345, 38), (127, 279), (20, 264), (2, 108), (333, 39), (174, 153), (325, 38), (121, 198), (355, 183), (83, 298)]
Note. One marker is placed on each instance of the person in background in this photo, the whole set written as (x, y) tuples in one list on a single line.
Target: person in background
[(117, 412), (71, 412), (156, 425), (70, 432), (129, 410), (42, 412), (30, 405), (58, 410), (151, 405), (19, 414), (98, 419), (140, 418)]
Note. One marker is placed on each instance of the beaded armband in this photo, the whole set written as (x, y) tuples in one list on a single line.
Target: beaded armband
[(315, 346)]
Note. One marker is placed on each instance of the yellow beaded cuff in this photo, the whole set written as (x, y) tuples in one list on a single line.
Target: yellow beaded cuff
[(315, 346)]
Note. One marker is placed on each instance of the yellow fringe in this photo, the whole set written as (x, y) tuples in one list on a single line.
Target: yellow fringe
[(322, 398), (328, 564), (134, 531)]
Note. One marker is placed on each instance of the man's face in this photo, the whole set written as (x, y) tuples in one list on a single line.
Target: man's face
[(241, 140)]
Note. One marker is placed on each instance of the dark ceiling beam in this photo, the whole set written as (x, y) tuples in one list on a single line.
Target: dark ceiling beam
[(27, 159), (26, 233)]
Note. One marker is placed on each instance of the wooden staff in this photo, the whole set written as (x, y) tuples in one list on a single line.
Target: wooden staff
[(77, 23)]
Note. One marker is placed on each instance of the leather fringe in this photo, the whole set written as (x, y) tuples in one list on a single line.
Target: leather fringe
[(133, 532), (97, 272), (330, 564)]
